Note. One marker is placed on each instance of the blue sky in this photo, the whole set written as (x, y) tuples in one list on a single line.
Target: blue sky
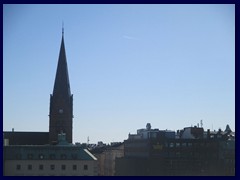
[(169, 65)]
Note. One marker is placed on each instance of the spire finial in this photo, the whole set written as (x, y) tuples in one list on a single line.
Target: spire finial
[(62, 28)]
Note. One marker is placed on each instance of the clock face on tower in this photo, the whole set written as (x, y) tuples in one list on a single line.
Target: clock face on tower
[(60, 111)]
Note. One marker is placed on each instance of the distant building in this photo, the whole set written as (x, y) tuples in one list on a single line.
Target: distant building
[(138, 144), (48, 160), (190, 153), (191, 133), (106, 156)]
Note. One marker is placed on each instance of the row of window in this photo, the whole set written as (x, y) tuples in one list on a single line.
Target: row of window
[(52, 167), (171, 144), (187, 144), (52, 156), (178, 144)]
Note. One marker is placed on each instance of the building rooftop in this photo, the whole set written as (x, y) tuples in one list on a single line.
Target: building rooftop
[(26, 138), (46, 152)]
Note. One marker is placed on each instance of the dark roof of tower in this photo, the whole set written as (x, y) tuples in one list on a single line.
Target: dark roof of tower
[(62, 85)]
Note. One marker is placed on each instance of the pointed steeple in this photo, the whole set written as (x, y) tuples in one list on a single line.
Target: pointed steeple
[(61, 101), (62, 85)]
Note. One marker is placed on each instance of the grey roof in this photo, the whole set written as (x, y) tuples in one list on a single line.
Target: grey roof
[(47, 152)]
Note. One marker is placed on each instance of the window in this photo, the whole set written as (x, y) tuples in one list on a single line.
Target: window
[(52, 156), (74, 167), (41, 156), (171, 145), (52, 167), (18, 156), (29, 167), (178, 154), (30, 156), (74, 156), (191, 154), (171, 154), (196, 154), (85, 167), (18, 167), (63, 167), (63, 156), (177, 144), (219, 136), (40, 167)]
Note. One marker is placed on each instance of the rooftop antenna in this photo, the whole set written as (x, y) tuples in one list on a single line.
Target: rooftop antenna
[(201, 123), (88, 140)]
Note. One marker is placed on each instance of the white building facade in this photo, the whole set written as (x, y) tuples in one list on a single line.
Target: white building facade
[(58, 160)]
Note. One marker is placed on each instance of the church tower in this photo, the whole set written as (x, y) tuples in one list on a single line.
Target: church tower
[(61, 101)]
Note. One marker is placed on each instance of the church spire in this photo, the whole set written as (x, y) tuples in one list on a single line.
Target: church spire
[(62, 85), (61, 100)]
